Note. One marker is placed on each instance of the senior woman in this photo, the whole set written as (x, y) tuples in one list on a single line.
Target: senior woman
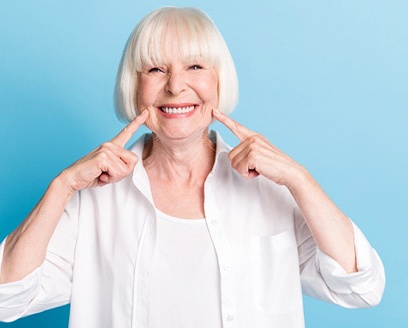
[(183, 231)]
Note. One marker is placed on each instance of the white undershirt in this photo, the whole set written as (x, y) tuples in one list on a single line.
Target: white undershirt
[(185, 278)]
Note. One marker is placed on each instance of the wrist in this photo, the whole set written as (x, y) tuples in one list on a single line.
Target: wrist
[(61, 184), (301, 180)]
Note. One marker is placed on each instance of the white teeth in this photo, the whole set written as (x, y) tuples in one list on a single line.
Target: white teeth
[(177, 110)]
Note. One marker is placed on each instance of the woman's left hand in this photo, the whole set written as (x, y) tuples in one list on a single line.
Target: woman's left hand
[(255, 155), (330, 227)]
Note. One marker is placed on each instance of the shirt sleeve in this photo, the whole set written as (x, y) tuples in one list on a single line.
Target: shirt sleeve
[(49, 285), (323, 278)]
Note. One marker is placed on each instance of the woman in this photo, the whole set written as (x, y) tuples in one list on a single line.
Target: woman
[(184, 231)]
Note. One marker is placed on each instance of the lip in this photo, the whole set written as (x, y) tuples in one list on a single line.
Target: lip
[(177, 115)]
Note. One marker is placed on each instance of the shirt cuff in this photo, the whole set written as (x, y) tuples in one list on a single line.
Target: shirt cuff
[(370, 269)]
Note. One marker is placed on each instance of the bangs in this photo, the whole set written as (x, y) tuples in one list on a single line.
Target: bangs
[(176, 35)]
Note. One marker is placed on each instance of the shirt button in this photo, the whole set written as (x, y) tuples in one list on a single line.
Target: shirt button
[(214, 222), (226, 267), (230, 318)]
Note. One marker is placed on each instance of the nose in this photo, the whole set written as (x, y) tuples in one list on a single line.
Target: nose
[(176, 84)]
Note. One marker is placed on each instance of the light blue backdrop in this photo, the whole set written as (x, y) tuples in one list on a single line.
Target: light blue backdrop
[(326, 81)]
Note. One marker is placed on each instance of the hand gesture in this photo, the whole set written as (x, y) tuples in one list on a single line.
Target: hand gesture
[(255, 155), (109, 163)]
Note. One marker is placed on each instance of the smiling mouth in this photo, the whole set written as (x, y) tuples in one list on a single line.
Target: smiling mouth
[(177, 110)]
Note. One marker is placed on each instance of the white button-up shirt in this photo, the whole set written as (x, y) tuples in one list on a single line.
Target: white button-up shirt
[(100, 256)]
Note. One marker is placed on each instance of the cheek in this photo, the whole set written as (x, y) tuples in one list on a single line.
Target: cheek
[(142, 96), (209, 91), (146, 92), (152, 123)]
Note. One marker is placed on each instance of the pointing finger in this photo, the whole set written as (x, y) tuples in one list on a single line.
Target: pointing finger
[(236, 128), (124, 136)]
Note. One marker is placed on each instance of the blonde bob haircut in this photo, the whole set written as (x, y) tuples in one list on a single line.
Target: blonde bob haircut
[(187, 33)]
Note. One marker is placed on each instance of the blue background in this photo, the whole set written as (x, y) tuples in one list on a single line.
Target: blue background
[(325, 81)]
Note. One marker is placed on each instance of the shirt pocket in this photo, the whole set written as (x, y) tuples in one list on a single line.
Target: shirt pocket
[(276, 278)]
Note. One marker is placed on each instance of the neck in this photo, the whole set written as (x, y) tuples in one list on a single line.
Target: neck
[(180, 160)]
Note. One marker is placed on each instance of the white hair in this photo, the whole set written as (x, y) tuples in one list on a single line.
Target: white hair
[(188, 33)]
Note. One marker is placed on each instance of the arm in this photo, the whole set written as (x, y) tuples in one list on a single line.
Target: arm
[(26, 247), (49, 285), (332, 231)]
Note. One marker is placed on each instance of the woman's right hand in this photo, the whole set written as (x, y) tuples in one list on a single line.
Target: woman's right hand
[(108, 163), (26, 246)]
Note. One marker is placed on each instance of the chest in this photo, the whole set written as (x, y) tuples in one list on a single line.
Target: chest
[(183, 200)]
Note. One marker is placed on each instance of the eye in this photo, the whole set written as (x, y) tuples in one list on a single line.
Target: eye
[(195, 67), (155, 70)]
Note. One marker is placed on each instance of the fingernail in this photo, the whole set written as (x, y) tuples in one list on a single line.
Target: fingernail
[(144, 113)]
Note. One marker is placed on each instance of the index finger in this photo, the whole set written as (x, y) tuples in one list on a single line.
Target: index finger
[(236, 128), (124, 136)]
